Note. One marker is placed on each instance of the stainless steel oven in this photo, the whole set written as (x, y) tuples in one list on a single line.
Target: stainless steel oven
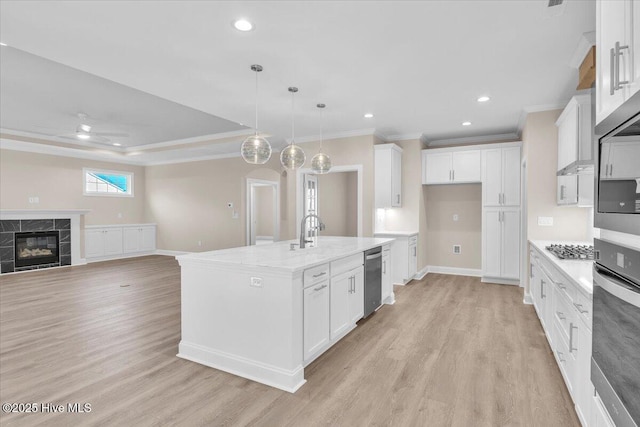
[(615, 360), (617, 191)]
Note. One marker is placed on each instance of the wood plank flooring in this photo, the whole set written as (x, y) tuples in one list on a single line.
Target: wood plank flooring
[(451, 352)]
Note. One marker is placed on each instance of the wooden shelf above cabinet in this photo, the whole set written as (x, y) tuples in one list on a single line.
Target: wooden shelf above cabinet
[(587, 70)]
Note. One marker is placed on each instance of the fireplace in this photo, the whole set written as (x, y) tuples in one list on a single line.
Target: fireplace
[(37, 248)]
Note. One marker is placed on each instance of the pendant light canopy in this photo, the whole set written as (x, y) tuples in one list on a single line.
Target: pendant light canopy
[(255, 149), (321, 163), (292, 157)]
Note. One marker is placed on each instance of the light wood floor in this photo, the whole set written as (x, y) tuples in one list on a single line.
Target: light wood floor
[(451, 351)]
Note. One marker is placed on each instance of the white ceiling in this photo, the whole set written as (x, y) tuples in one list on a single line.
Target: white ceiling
[(417, 65)]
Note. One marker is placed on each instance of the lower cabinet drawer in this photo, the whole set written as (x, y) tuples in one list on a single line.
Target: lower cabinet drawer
[(584, 305), (316, 274), (348, 263), (563, 312)]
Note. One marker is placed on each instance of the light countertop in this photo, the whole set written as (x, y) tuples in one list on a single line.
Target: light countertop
[(395, 233), (579, 271), (279, 256)]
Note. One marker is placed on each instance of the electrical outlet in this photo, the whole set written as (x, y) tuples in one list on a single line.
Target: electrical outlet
[(457, 249), (546, 221), (455, 217), (256, 282), (34, 199), (235, 215)]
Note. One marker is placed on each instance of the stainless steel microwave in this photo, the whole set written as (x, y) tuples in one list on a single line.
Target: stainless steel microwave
[(617, 165)]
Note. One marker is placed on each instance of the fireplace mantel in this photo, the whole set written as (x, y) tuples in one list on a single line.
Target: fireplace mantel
[(72, 214)]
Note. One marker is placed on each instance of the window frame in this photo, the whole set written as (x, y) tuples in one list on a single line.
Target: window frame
[(128, 174)]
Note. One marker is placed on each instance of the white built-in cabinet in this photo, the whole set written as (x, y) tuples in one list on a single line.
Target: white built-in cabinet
[(565, 312), (115, 241), (388, 175), (501, 176), (575, 138), (444, 166), (618, 54), (333, 303), (501, 242), (101, 242), (403, 256), (388, 296)]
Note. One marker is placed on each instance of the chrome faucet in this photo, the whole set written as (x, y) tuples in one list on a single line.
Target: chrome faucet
[(303, 230)]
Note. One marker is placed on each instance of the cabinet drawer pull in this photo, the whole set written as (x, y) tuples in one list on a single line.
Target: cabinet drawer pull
[(580, 308), (561, 286), (612, 71), (542, 295), (320, 287), (319, 274), (571, 328), (561, 315), (617, 83), (560, 356)]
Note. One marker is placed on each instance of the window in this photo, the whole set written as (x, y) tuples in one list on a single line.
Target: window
[(107, 183)]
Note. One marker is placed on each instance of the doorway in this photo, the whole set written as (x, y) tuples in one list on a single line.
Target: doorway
[(263, 212)]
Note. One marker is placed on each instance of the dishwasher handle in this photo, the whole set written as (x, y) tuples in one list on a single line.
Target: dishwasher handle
[(374, 256)]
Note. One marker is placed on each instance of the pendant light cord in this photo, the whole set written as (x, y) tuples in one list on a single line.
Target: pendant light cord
[(293, 127), (321, 126), (256, 103)]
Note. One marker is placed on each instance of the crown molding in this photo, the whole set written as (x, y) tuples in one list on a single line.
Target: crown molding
[(54, 150), (195, 139), (584, 44), (405, 137), (193, 159), (469, 140), (335, 135)]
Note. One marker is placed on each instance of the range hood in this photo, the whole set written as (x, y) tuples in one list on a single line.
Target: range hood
[(579, 167)]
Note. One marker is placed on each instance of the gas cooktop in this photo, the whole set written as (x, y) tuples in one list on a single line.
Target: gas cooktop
[(580, 252)]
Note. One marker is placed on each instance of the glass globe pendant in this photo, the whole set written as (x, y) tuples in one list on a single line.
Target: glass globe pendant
[(256, 150), (321, 163), (292, 157)]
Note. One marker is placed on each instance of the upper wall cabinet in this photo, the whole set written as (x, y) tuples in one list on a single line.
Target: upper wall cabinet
[(444, 166), (388, 176), (575, 133), (618, 54), (501, 176)]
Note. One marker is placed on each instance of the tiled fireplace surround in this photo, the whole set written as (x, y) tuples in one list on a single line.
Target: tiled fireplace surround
[(8, 228), (66, 222)]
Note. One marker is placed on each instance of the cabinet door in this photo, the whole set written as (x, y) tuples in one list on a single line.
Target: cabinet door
[(491, 177), (356, 297), (340, 286), (413, 260), (438, 168), (491, 242), (466, 166), (510, 244), (386, 274), (93, 243), (316, 318), (584, 387), (113, 241), (534, 288), (511, 176), (567, 190), (568, 135), (634, 86), (147, 238), (131, 239), (396, 178), (612, 25), (383, 172)]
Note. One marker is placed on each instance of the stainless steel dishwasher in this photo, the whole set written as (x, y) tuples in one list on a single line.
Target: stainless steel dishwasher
[(372, 280)]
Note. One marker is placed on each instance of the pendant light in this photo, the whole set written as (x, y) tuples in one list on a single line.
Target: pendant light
[(321, 163), (256, 150), (293, 156)]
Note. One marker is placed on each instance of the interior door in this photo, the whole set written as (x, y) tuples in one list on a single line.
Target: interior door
[(311, 205)]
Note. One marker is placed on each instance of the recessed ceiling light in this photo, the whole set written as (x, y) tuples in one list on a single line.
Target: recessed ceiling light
[(83, 136), (117, 144), (483, 99), (242, 25), (368, 116), (2, 44), (466, 123)]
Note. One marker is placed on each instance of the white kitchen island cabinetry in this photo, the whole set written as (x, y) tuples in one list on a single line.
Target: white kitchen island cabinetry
[(265, 312), (404, 255)]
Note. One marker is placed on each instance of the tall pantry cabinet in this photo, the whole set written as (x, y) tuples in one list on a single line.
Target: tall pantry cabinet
[(501, 228)]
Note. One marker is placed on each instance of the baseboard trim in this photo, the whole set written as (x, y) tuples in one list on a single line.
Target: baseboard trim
[(170, 253), (527, 299), (270, 375), (420, 274), (499, 281), (456, 271)]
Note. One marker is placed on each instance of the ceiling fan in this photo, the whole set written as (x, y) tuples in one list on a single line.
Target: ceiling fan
[(84, 132)]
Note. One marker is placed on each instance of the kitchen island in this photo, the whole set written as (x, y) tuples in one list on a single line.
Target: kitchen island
[(265, 312)]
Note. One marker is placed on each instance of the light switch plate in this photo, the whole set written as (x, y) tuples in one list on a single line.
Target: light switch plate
[(546, 221), (256, 282)]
